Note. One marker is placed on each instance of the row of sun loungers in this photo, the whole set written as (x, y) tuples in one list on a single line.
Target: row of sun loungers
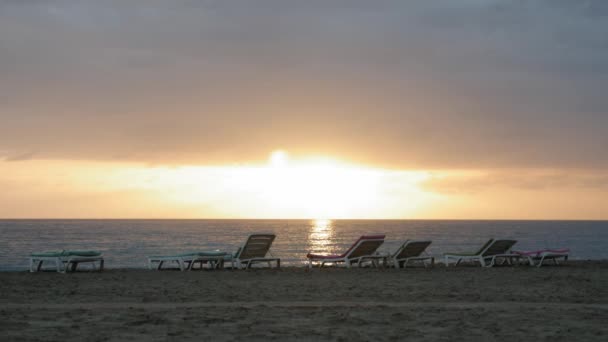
[(364, 251)]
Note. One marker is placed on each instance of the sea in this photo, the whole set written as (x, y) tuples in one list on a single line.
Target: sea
[(127, 243)]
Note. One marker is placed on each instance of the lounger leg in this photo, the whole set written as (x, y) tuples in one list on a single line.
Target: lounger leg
[(160, 265), (278, 263), (540, 263), (101, 262), (67, 267), (35, 265)]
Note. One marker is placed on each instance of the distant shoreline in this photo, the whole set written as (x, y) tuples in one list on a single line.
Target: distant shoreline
[(298, 219)]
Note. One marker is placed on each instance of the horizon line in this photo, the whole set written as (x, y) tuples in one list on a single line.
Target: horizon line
[(293, 219)]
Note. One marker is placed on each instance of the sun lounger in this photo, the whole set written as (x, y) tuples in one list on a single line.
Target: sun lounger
[(65, 260), (362, 250), (412, 251), (254, 251), (536, 258), (186, 261), (487, 254)]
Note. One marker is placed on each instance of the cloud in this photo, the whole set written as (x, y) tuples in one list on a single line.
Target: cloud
[(527, 180), (20, 157), (433, 84)]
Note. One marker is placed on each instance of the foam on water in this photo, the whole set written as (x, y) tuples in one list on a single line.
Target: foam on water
[(126, 243)]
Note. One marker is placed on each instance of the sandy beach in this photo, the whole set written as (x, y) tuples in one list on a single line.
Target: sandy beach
[(500, 304)]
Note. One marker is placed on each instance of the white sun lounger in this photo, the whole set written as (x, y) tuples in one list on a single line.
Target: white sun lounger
[(536, 258), (361, 251), (65, 260), (186, 261), (412, 251), (255, 250), (487, 255)]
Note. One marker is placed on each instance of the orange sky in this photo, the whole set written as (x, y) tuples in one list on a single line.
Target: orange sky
[(288, 187)]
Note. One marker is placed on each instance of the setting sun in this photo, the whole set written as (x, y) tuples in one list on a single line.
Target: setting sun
[(302, 188)]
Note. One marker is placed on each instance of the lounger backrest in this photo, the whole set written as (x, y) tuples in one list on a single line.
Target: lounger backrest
[(366, 245), (257, 246), (484, 247), (412, 249), (499, 247)]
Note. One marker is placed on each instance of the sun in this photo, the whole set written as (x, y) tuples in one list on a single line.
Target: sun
[(279, 158)]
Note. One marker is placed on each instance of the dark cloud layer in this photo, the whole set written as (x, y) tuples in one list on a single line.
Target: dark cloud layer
[(400, 83)]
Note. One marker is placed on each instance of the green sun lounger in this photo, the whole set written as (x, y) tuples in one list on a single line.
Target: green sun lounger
[(65, 260)]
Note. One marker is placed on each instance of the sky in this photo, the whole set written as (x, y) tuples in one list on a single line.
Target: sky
[(384, 109)]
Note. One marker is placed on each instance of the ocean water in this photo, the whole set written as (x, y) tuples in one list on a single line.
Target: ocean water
[(126, 243)]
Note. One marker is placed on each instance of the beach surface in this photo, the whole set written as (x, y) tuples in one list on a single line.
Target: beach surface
[(555, 303)]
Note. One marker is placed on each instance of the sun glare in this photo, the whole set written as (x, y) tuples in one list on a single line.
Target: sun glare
[(327, 188), (279, 158), (313, 187), (283, 187)]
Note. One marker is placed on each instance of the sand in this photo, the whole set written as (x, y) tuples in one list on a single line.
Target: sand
[(562, 303)]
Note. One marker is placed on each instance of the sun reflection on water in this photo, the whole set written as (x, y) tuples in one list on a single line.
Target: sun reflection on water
[(320, 235)]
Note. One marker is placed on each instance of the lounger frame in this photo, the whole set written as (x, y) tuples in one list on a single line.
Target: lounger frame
[(538, 259), (254, 251), (362, 251), (412, 251), (186, 262), (488, 254), (64, 264)]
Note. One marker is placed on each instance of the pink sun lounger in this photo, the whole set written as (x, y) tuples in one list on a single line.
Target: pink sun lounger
[(536, 258), (362, 250)]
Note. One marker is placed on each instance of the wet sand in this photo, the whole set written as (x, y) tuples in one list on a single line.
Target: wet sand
[(562, 303)]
